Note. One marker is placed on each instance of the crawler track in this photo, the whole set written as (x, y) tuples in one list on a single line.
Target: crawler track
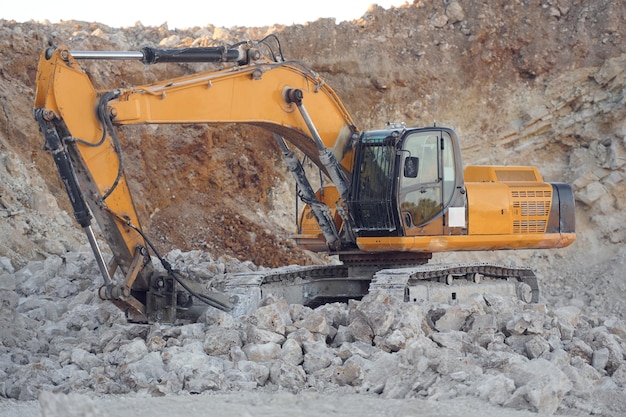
[(316, 285)]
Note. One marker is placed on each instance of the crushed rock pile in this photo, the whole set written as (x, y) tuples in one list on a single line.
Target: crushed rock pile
[(58, 336)]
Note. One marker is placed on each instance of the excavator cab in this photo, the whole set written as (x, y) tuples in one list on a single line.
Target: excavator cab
[(405, 181)]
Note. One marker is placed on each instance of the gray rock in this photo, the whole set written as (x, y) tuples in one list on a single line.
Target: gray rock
[(616, 327), (260, 336), (194, 331), (482, 329), (455, 340), (454, 318), (292, 352), (61, 287), (182, 360), (379, 371), (274, 317), (253, 371), (619, 376), (566, 330), (600, 358), (220, 341), (569, 314), (196, 371), (147, 371), (221, 319), (582, 375), (304, 335), (336, 314), (579, 348), (377, 310), (90, 317), (133, 351), (540, 385), (83, 297), (503, 308), (419, 350), (28, 380), (364, 350), (85, 360), (501, 361), (392, 342), (287, 376), (497, 389), (361, 330), (410, 320), (317, 356), (8, 282), (352, 372), (526, 322), (377, 345), (6, 265), (605, 340), (265, 352), (32, 278), (536, 347), (343, 335), (236, 354), (559, 357), (554, 341), (41, 309), (483, 323), (315, 322), (156, 343), (209, 377)]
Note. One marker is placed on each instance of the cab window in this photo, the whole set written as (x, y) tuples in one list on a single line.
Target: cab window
[(427, 176)]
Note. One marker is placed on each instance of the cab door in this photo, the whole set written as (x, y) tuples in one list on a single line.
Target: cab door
[(427, 181)]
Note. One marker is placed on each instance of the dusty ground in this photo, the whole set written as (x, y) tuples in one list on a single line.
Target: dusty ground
[(255, 404)]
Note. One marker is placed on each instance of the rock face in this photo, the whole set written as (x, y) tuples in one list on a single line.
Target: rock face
[(521, 83)]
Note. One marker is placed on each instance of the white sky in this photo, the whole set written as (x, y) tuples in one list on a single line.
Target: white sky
[(181, 14)]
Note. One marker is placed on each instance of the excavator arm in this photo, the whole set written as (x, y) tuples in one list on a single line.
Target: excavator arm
[(79, 123)]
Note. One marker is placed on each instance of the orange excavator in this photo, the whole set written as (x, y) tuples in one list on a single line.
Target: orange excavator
[(395, 195)]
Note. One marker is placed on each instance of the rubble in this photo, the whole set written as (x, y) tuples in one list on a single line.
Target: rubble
[(375, 346)]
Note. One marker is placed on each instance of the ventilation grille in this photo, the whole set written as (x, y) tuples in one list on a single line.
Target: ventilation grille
[(531, 209), (529, 226), (531, 194)]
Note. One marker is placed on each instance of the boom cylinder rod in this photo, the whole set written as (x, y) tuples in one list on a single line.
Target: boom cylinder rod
[(95, 248), (108, 55), (327, 157), (150, 55)]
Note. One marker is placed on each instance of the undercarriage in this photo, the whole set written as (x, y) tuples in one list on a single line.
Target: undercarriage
[(316, 285)]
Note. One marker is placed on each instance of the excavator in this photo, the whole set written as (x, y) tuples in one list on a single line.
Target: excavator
[(392, 197)]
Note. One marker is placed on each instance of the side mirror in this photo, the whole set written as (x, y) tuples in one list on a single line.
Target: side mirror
[(411, 166)]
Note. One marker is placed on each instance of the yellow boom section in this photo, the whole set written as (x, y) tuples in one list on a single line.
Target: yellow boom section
[(252, 94), (66, 93)]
